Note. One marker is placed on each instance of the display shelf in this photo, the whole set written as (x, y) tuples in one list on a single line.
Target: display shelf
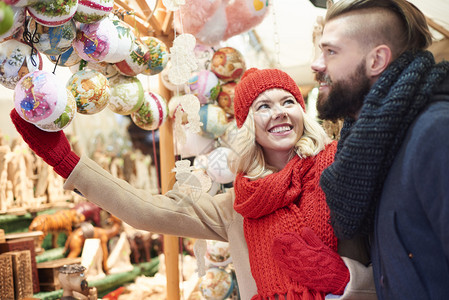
[(111, 282)]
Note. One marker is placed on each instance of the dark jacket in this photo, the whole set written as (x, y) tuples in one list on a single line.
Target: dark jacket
[(410, 251)]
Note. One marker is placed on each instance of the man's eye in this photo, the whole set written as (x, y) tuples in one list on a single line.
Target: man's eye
[(330, 51)]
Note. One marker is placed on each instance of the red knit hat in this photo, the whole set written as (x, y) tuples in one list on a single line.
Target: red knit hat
[(254, 82)]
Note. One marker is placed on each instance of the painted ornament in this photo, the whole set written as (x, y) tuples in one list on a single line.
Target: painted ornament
[(226, 97), (104, 68), (97, 41), (39, 98), (18, 19), (53, 40), (6, 18), (165, 78), (65, 118), (126, 39), (136, 62), (204, 56), (228, 64), (16, 61), (126, 94), (153, 112), (218, 165), (217, 253), (53, 12), (67, 59), (158, 58), (20, 3), (205, 85), (217, 284), (91, 91), (91, 11), (214, 120)]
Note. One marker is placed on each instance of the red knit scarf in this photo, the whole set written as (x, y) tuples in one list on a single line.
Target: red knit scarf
[(283, 202)]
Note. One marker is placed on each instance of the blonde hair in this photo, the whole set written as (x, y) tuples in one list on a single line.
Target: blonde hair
[(397, 23), (247, 156)]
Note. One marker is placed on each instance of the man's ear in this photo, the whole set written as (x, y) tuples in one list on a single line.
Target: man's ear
[(378, 60)]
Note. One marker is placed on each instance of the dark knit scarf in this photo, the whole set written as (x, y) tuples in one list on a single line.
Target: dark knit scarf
[(368, 146), (285, 201)]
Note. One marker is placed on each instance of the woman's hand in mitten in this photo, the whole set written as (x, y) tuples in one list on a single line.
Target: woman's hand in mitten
[(307, 260), (53, 147)]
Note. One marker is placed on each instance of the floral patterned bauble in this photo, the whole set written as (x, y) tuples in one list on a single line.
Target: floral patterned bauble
[(126, 94), (217, 284), (67, 59), (53, 12), (39, 98), (152, 113), (158, 56), (136, 62), (91, 11), (53, 40), (226, 97), (214, 120), (126, 39), (18, 17), (97, 41), (65, 118), (205, 85), (16, 61), (91, 91), (228, 64)]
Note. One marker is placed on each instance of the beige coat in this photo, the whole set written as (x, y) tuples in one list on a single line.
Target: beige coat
[(205, 217)]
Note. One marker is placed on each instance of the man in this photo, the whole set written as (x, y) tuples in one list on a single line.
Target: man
[(390, 177)]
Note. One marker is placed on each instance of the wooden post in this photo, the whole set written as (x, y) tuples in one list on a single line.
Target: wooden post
[(167, 156)]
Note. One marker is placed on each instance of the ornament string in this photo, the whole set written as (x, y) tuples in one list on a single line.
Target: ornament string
[(30, 40), (56, 63)]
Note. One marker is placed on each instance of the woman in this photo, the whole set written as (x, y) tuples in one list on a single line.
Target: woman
[(276, 191)]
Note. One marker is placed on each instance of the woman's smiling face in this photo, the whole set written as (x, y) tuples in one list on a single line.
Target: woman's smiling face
[(278, 119)]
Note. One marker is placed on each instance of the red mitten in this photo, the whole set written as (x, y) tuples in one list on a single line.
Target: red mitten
[(53, 147), (307, 260)]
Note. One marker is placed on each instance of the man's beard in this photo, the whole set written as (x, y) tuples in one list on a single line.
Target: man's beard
[(345, 98)]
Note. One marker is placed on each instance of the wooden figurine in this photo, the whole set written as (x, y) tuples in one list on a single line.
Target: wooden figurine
[(90, 211), (61, 221), (76, 240)]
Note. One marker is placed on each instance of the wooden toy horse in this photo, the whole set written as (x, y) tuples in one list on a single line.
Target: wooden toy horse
[(75, 241)]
